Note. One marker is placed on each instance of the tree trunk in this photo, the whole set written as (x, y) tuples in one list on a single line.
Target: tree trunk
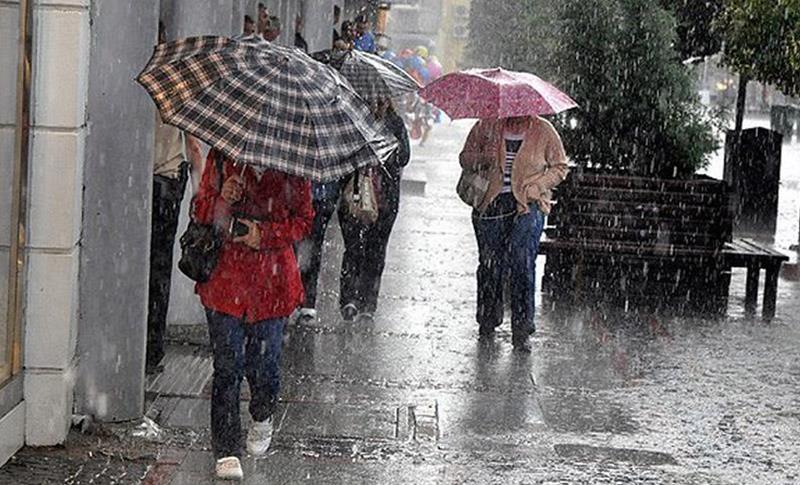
[(741, 101)]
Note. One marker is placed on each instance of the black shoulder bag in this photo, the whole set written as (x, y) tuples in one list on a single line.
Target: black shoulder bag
[(201, 243)]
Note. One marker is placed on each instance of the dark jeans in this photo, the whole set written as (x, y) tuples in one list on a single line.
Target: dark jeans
[(240, 349), (167, 197), (326, 198), (508, 244), (365, 248)]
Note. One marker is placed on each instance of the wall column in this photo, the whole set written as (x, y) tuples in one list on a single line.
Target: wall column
[(117, 180), (60, 70)]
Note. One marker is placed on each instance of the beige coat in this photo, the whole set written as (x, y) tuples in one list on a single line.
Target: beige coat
[(540, 165)]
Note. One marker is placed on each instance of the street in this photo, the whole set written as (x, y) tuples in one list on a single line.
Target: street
[(414, 397)]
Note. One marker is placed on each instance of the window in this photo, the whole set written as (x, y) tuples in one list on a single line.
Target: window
[(14, 120)]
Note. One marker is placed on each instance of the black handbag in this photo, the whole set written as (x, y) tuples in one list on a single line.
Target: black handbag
[(201, 243)]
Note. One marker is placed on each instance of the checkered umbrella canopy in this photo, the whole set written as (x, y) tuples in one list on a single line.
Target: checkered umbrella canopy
[(373, 77), (265, 105)]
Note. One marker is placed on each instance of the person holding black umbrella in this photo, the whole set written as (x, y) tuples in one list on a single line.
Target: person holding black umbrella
[(364, 257), (378, 82)]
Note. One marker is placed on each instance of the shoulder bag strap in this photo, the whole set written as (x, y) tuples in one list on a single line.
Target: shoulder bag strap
[(219, 163)]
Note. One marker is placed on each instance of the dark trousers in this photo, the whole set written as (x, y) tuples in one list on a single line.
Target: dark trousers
[(167, 197), (365, 245), (240, 349), (508, 244), (326, 199), (365, 248)]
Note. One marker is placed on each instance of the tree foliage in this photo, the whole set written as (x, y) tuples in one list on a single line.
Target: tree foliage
[(762, 41), (514, 34), (696, 30), (638, 109)]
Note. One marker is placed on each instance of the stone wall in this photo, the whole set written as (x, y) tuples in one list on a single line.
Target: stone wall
[(115, 242), (60, 79)]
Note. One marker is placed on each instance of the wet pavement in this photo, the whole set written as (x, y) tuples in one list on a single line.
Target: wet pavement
[(414, 397)]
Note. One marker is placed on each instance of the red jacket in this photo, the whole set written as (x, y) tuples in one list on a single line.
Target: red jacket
[(256, 285)]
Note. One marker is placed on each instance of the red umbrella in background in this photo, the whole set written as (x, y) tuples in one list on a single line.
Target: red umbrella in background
[(495, 93)]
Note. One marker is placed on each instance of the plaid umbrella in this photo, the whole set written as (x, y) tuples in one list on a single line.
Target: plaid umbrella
[(265, 105), (372, 77)]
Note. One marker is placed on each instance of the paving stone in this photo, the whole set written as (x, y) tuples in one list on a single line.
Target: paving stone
[(327, 420), (600, 453)]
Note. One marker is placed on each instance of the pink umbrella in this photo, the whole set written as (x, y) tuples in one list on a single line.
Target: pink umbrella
[(495, 93)]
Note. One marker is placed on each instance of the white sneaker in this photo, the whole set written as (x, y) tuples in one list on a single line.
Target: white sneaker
[(307, 314), (366, 317), (229, 468), (349, 312), (259, 437)]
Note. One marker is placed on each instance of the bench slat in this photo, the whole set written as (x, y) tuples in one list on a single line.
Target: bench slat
[(701, 185)]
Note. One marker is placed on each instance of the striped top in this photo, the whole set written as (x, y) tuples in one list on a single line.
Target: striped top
[(513, 142)]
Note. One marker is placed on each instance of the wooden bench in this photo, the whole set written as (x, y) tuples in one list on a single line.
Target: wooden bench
[(646, 243), (746, 253)]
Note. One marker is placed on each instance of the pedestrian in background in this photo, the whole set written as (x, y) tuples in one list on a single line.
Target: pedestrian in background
[(365, 244), (255, 286), (337, 16), (364, 38), (364, 256), (263, 18), (175, 154), (348, 36), (249, 27), (523, 159), (299, 40), (273, 29)]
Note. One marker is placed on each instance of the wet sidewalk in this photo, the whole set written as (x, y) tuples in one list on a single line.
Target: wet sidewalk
[(414, 397)]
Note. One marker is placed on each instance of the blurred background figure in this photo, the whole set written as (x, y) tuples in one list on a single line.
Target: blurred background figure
[(174, 152), (337, 17), (347, 37), (273, 30), (263, 18), (249, 27), (299, 40), (364, 38)]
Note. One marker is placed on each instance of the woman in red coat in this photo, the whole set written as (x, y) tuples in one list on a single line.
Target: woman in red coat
[(254, 288)]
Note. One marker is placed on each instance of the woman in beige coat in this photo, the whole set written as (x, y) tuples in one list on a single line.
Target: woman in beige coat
[(523, 159)]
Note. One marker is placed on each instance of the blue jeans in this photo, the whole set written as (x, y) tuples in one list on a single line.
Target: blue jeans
[(508, 244), (242, 349)]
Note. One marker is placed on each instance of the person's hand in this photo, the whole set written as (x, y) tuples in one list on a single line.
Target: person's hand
[(232, 190), (253, 237), (534, 192)]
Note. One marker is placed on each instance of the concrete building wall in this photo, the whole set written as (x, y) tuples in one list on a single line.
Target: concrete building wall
[(116, 206), (318, 24), (60, 80), (189, 18), (415, 23)]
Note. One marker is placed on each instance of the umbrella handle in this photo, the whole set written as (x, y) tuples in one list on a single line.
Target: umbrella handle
[(356, 192)]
